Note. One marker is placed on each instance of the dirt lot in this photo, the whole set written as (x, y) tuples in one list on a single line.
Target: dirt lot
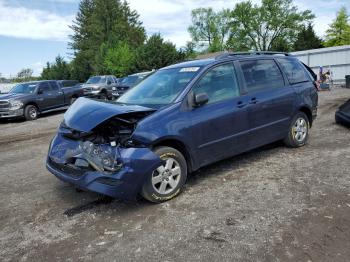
[(272, 204)]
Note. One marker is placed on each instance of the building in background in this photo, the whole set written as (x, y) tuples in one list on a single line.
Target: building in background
[(335, 59)]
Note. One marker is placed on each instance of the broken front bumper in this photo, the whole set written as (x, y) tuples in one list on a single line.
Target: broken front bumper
[(135, 165)]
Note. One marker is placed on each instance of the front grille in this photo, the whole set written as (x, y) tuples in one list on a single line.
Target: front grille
[(4, 105), (74, 172)]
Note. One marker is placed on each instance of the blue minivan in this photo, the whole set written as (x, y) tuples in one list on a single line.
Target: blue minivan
[(182, 118)]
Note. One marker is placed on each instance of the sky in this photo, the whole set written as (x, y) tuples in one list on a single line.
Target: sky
[(33, 32)]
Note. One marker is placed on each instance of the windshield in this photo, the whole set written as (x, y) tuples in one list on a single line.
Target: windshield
[(96, 80), (130, 80), (24, 88), (161, 88)]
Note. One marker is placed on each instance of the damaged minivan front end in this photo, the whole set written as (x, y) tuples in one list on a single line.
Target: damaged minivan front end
[(94, 149)]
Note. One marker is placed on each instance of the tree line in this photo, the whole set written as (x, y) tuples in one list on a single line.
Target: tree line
[(109, 38), (274, 25)]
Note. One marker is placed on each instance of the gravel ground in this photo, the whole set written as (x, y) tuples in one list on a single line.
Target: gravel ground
[(271, 204)]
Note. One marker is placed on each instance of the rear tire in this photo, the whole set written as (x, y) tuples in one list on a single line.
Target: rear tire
[(31, 112), (298, 131), (167, 181)]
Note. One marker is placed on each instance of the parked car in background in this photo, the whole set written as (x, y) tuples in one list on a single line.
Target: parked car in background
[(100, 86), (129, 82), (342, 115), (117, 80), (182, 118), (33, 98)]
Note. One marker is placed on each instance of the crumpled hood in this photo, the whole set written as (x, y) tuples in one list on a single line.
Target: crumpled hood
[(12, 96), (85, 114)]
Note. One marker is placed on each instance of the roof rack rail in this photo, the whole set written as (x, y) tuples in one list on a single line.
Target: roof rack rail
[(230, 54)]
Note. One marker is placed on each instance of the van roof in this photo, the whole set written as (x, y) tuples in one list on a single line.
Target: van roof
[(228, 56)]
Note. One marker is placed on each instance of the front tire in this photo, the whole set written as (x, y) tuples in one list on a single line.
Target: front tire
[(30, 112), (73, 99), (298, 131), (168, 179), (103, 96)]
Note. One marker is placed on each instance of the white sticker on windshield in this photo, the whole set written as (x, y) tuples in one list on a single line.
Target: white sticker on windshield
[(189, 69)]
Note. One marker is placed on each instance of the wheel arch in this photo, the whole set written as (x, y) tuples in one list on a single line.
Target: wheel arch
[(307, 111), (178, 145), (31, 103)]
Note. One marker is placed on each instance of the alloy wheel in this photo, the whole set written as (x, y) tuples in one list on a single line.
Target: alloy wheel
[(166, 177), (300, 129), (33, 113)]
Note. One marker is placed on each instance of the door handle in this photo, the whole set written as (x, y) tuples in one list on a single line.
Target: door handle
[(253, 101), (240, 104)]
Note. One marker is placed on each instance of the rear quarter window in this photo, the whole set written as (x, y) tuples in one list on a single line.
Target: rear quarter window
[(294, 70)]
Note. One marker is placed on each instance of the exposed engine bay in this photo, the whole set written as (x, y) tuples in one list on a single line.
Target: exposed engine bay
[(117, 129), (99, 148)]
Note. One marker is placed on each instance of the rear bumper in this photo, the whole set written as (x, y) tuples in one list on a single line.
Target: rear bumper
[(126, 183), (11, 113)]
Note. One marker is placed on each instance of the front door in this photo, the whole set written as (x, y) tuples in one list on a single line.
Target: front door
[(56, 96), (219, 127)]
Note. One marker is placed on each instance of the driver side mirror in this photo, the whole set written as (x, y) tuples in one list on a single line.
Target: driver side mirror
[(40, 91), (109, 82), (200, 99)]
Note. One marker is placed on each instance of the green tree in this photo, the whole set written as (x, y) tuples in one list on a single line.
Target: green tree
[(260, 27), (339, 31), (307, 39), (99, 26), (120, 60), (157, 53), (189, 50), (25, 74), (57, 70), (81, 41), (281, 45), (210, 29)]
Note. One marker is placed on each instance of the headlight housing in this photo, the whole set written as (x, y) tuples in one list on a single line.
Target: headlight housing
[(102, 157), (15, 104)]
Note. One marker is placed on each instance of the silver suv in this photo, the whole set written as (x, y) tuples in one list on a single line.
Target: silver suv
[(100, 86)]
